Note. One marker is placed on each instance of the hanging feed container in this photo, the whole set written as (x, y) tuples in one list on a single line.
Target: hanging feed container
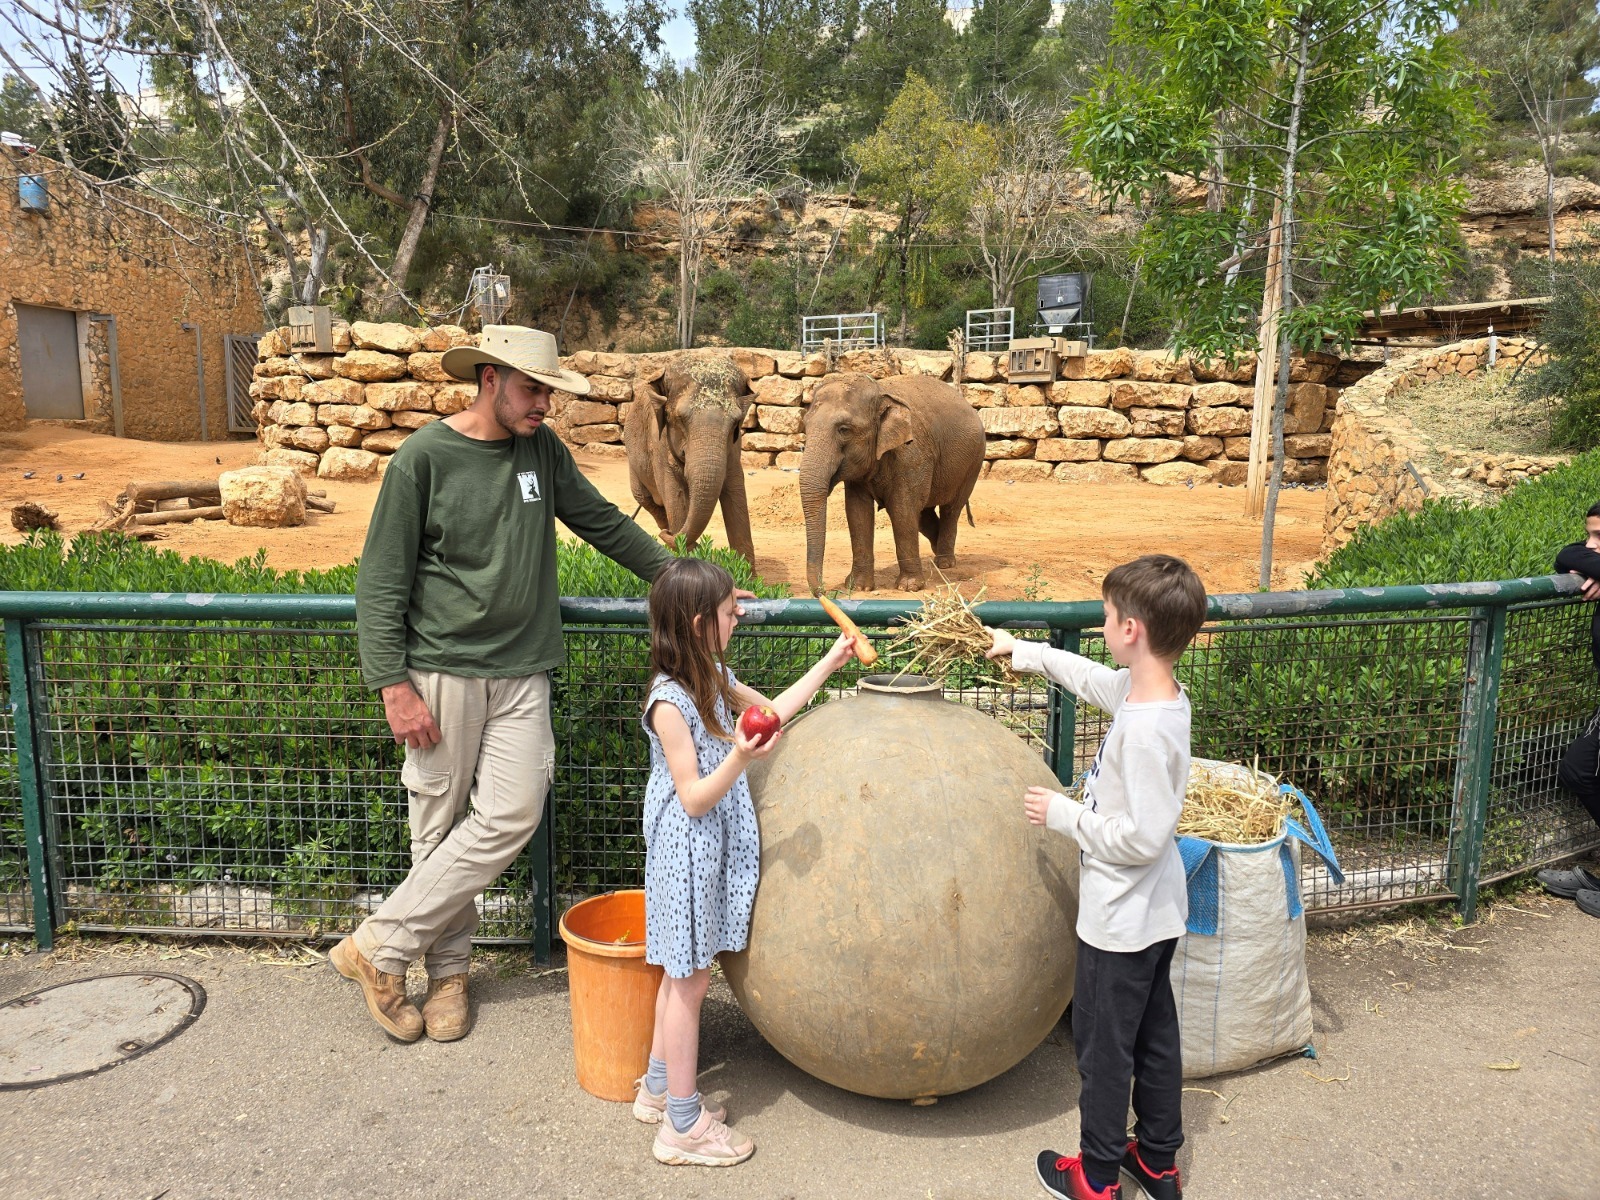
[(34, 193)]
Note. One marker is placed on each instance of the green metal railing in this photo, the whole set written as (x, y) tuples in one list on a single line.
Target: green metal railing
[(189, 763)]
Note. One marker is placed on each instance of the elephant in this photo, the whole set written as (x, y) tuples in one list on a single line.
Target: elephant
[(909, 444), (683, 448)]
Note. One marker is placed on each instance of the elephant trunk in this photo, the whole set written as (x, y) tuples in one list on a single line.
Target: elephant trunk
[(705, 463), (816, 481)]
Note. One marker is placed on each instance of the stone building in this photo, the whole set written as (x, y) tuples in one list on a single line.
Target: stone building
[(114, 310)]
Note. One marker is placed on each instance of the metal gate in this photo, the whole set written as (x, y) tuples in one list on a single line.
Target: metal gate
[(990, 328), (52, 383), (239, 358)]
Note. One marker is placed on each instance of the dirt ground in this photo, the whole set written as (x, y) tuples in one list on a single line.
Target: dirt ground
[(1030, 540), (1452, 1064)]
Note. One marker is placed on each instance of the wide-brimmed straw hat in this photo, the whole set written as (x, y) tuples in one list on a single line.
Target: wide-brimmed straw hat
[(531, 351)]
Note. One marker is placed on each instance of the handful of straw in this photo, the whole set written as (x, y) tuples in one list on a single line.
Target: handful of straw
[(1232, 803), (945, 635)]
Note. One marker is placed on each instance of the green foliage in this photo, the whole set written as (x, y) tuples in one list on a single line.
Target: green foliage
[(1571, 333), (20, 112), (998, 43)]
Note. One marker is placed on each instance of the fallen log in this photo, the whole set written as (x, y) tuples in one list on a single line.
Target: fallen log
[(28, 516), (214, 513), (318, 504), (173, 489)]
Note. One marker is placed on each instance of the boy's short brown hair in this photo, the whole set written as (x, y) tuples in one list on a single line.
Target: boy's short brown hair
[(1165, 594)]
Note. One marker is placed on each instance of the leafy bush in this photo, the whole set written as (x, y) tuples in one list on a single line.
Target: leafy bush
[(1571, 333)]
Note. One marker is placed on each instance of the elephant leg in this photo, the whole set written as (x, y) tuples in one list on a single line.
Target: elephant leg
[(650, 505), (859, 510), (736, 508), (944, 544), (928, 523), (905, 519)]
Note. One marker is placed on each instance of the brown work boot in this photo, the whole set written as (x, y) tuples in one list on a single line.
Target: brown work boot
[(385, 993), (444, 1012)]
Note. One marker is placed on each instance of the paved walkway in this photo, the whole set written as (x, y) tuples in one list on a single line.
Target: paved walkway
[(285, 1088)]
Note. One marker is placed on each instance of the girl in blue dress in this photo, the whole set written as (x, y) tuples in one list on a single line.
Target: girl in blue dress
[(702, 848)]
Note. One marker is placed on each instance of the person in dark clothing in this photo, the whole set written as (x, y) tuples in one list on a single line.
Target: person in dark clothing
[(1580, 766)]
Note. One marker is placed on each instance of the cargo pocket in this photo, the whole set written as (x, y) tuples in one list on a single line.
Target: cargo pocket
[(422, 781)]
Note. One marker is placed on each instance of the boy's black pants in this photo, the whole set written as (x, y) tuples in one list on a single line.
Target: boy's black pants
[(1125, 1030)]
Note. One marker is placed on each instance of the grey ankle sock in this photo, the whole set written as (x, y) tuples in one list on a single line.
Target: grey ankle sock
[(655, 1078), (683, 1113)]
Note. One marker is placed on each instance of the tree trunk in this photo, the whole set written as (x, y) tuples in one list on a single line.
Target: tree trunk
[(421, 204), (316, 264)]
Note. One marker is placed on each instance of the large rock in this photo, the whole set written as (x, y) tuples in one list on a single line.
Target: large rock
[(1081, 393), (297, 414), (1142, 450), (368, 366), (270, 496), (1213, 395), (389, 336), (311, 438), (984, 395), (585, 435), (332, 391), (779, 419), (345, 436), (1092, 423), (1157, 422), (1019, 422), (425, 365), (609, 387), (395, 397), (385, 441), (449, 398), (934, 363), (415, 420), (348, 464), (299, 461), (1307, 403), (1159, 366), (1021, 470), (1055, 450), (587, 412), (773, 443), (1308, 445), (998, 448), (357, 416), (277, 387), (1097, 472), (1025, 395), (979, 368), (1176, 473), (1200, 449), (1099, 364), (316, 366), (445, 337), (1132, 393), (1219, 422), (777, 390)]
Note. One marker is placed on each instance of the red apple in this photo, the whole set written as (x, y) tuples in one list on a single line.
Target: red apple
[(758, 723)]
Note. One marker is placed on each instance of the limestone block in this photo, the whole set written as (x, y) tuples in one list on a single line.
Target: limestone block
[(585, 434), (772, 442), (272, 367), (333, 391), (754, 460), (342, 342), (1081, 394), (259, 411), (268, 496), (1229, 473), (444, 337), (933, 363), (1313, 368), (344, 436), (1157, 422), (1243, 369), (390, 336), (1099, 364), (622, 413), (789, 460), (1200, 449), (272, 436), (757, 364), (312, 438), (1237, 448), (451, 398), (385, 441), (1219, 422), (1128, 394), (369, 366), (619, 366), (996, 448), (587, 412), (750, 421), (790, 364), (879, 363), (1176, 473), (271, 345), (1307, 404), (340, 463), (1021, 470), (776, 419), (1313, 470), (604, 450), (1308, 445), (1019, 422), (394, 397), (295, 460), (1141, 450), (983, 395), (1025, 395), (414, 420), (777, 390), (281, 387), (426, 366), (297, 414), (1096, 473), (979, 368), (609, 387), (1159, 366), (1213, 395), (1092, 423), (316, 366), (356, 416), (1067, 450)]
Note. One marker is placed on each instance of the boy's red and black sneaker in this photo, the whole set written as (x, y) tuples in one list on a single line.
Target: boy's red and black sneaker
[(1063, 1177), (1165, 1185)]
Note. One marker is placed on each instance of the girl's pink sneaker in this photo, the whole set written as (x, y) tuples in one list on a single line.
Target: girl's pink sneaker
[(652, 1109), (709, 1143)]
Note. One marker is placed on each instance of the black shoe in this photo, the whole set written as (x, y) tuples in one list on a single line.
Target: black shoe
[(1063, 1178), (1568, 882), (1165, 1186), (1589, 901)]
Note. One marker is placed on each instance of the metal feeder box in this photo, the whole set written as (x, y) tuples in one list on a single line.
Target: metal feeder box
[(1033, 360), (311, 330), (1071, 348)]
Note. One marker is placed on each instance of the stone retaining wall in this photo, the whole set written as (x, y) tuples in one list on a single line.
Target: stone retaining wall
[(1117, 414), (1377, 465)]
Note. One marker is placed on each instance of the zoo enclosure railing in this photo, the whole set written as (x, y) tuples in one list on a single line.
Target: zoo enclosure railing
[(990, 328), (847, 331), (213, 764)]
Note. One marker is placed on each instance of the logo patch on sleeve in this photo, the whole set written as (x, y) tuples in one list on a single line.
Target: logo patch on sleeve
[(528, 481)]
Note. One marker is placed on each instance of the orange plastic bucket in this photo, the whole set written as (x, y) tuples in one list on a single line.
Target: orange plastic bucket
[(613, 992)]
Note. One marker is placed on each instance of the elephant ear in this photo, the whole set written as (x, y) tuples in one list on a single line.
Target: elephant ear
[(655, 404), (894, 426)]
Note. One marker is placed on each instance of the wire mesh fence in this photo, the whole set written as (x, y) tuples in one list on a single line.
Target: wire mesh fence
[(238, 777)]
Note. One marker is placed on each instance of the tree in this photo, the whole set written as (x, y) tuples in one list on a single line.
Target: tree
[(996, 46), (1537, 54), (19, 110), (1323, 133), (91, 123), (922, 161), (700, 140), (899, 36)]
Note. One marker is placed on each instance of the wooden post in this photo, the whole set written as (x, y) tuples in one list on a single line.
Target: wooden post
[(1266, 371)]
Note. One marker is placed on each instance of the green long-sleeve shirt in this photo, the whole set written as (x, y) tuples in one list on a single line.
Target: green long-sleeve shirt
[(459, 569)]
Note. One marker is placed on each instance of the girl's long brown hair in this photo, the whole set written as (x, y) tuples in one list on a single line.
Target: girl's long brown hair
[(684, 589)]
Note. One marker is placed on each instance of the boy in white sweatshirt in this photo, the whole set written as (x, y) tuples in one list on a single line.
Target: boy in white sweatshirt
[(1132, 898)]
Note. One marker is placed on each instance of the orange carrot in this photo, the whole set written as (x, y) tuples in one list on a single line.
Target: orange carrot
[(864, 651)]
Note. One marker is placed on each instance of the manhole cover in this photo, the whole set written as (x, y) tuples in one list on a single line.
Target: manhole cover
[(75, 1029)]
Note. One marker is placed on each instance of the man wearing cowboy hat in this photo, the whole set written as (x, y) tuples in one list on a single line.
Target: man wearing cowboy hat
[(458, 624)]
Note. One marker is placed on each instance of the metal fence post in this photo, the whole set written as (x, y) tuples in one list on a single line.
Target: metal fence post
[(19, 664), (1063, 723), (1479, 713)]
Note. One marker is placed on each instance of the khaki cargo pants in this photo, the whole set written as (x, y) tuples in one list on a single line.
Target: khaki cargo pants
[(496, 757)]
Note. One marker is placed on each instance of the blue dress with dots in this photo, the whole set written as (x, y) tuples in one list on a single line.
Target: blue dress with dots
[(699, 872)]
